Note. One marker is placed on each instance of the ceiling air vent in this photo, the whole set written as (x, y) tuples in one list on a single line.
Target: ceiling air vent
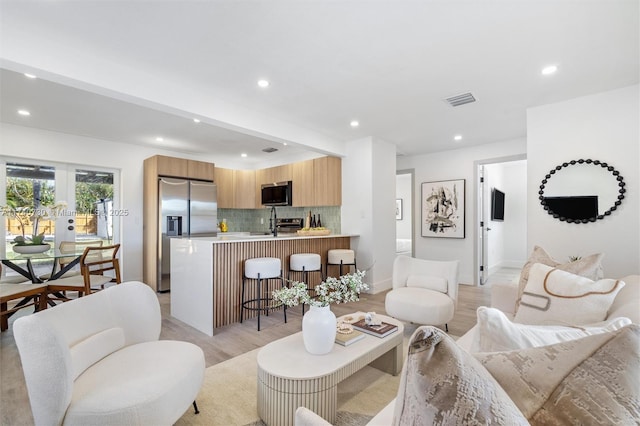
[(465, 98), (269, 150)]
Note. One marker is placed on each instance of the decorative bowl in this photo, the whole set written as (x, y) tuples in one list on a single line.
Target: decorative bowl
[(31, 249)]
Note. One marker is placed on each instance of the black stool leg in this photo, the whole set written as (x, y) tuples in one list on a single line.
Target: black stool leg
[(305, 278), (242, 300), (259, 299), (340, 267), (195, 408), (284, 305)]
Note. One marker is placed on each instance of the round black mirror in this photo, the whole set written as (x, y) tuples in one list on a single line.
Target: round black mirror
[(581, 191)]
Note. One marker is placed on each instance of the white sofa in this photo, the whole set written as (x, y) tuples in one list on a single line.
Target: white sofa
[(503, 297), (97, 360)]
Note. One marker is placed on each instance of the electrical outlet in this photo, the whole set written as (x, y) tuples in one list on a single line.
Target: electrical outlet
[(262, 221)]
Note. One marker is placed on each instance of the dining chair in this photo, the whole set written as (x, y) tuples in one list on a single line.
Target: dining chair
[(94, 262), (72, 247)]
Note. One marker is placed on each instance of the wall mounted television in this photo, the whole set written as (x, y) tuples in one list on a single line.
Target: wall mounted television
[(574, 207), (497, 205)]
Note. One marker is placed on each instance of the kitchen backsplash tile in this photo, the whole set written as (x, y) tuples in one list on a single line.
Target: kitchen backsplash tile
[(248, 220)]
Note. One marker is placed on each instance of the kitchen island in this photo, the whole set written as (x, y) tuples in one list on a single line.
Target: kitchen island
[(206, 272)]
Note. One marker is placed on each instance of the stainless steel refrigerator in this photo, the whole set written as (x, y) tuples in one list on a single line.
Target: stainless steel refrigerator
[(188, 208)]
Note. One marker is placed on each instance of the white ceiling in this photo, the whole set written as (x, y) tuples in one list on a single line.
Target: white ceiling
[(129, 71)]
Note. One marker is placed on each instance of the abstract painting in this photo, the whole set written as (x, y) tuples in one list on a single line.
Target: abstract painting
[(443, 209)]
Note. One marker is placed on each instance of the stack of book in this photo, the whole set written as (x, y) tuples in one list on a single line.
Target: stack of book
[(382, 330), (347, 339)]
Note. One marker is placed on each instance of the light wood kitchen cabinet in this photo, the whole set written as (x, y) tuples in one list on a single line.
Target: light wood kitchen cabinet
[(236, 188), (244, 189), (304, 191), (200, 170), (226, 190), (169, 166), (327, 179)]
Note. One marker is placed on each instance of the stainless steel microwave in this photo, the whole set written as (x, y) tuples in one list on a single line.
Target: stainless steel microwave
[(276, 194)]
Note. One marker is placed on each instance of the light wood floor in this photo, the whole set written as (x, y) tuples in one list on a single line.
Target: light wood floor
[(228, 341)]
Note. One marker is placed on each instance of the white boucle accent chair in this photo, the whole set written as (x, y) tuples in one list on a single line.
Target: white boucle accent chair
[(424, 292), (97, 360)]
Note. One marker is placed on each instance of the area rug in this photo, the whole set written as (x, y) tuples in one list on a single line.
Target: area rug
[(229, 395)]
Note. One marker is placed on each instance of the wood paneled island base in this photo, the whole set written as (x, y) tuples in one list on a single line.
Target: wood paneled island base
[(206, 273)]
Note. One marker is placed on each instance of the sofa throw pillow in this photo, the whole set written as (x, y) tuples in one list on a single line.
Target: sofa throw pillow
[(443, 384), (430, 283), (555, 297), (592, 380), (497, 333), (588, 266)]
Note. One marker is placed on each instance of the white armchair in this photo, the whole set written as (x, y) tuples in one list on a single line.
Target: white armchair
[(97, 360), (424, 292)]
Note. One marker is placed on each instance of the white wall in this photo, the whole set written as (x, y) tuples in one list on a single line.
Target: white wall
[(403, 192), (368, 207), (602, 127), (515, 222), (29, 143), (454, 164)]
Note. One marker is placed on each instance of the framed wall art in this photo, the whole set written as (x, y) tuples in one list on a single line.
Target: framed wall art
[(443, 209), (399, 209)]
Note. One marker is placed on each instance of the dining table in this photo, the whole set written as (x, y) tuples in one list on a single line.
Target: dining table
[(23, 264)]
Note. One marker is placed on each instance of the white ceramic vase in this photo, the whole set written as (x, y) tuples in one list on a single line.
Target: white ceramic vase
[(31, 249), (319, 330)]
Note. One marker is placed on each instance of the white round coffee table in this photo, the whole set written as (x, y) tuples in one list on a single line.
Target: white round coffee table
[(290, 377)]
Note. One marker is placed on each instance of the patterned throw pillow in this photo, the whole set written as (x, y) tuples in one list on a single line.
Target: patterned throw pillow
[(593, 380), (589, 266), (443, 384), (555, 297)]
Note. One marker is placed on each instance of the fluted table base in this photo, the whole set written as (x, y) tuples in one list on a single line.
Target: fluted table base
[(290, 377)]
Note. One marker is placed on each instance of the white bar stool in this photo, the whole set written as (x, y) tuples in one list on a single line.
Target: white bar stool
[(340, 257), (305, 263), (261, 269)]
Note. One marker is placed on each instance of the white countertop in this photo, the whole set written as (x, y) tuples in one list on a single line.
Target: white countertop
[(245, 236)]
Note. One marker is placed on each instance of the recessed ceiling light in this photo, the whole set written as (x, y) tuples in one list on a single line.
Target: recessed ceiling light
[(195, 120), (549, 69), (159, 139), (284, 143), (263, 83), (457, 138), (354, 123), (243, 155), (24, 112), (26, 74)]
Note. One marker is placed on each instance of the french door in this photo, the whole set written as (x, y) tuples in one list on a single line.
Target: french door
[(86, 197)]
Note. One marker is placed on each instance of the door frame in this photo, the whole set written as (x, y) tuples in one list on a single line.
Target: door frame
[(410, 208), (480, 258), (65, 191)]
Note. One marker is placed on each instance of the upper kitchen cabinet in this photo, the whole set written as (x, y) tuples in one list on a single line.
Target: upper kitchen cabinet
[(169, 166), (180, 167), (226, 191), (327, 181), (304, 191), (244, 184), (236, 188), (317, 182), (200, 170)]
